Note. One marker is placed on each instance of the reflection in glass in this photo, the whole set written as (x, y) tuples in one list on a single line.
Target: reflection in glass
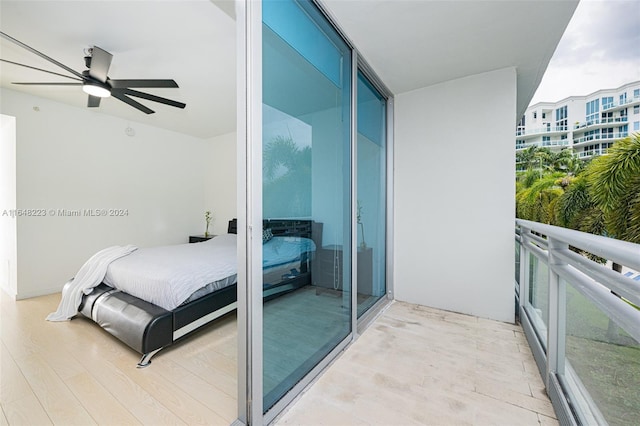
[(605, 358), (306, 193), (371, 196)]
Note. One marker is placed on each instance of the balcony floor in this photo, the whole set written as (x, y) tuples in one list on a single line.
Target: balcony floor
[(417, 365)]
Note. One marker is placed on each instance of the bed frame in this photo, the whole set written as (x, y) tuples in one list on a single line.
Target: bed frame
[(148, 328)]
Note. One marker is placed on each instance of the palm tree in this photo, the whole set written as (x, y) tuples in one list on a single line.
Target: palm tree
[(614, 185), (536, 197)]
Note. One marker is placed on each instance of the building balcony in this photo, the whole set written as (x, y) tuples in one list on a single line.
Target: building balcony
[(541, 130), (562, 142), (619, 105), (592, 152), (598, 123), (608, 136), (548, 144)]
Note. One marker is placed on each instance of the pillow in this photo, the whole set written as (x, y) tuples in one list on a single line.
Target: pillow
[(266, 235)]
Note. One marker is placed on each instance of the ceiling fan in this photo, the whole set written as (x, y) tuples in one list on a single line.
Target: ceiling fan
[(95, 81)]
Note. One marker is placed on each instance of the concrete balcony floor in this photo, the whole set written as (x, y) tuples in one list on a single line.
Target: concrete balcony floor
[(417, 365)]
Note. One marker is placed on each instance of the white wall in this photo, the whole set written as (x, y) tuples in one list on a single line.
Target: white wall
[(76, 158), (454, 195), (8, 250), (220, 187)]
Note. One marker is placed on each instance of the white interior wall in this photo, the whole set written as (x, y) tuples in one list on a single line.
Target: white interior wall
[(221, 178), (454, 195), (8, 250), (76, 159)]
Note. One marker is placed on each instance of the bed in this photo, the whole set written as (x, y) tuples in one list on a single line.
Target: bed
[(148, 327)]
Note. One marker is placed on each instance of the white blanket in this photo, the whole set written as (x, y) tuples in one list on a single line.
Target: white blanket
[(166, 276), (89, 276)]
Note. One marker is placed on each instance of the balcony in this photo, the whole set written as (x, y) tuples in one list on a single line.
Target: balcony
[(540, 131), (606, 136), (600, 122), (582, 321), (622, 104), (562, 142), (422, 366), (592, 152)]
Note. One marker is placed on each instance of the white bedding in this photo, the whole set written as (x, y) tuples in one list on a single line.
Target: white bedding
[(166, 276)]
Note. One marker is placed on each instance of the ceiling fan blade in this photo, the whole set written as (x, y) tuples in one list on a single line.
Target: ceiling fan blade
[(125, 84), (127, 100), (100, 63), (151, 97), (39, 69), (47, 84), (42, 55), (94, 101)]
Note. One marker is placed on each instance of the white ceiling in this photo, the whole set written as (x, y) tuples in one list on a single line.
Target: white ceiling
[(192, 42), (409, 43), (417, 43)]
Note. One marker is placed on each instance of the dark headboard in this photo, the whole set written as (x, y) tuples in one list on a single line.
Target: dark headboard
[(288, 227)]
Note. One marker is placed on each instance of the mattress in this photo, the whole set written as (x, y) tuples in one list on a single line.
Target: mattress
[(168, 275)]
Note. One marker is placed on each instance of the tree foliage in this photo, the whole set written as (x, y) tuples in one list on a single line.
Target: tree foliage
[(600, 197)]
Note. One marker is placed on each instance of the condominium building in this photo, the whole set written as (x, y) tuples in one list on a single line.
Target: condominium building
[(589, 125)]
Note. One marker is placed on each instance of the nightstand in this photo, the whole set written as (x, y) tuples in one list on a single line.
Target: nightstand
[(327, 268), (200, 238)]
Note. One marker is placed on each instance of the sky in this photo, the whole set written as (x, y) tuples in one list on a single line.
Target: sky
[(600, 49)]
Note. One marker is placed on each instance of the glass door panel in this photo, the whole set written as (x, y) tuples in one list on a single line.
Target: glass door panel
[(306, 193), (371, 196)]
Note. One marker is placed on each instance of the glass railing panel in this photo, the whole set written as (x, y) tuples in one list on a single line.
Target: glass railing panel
[(518, 245), (538, 298), (605, 359)]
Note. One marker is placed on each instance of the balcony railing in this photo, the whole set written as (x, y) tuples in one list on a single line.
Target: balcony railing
[(599, 136), (624, 119), (621, 104), (592, 152), (562, 142), (523, 132), (582, 321)]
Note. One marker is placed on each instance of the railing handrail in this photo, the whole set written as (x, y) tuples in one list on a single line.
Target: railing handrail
[(621, 252)]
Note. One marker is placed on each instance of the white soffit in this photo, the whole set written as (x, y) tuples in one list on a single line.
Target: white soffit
[(417, 43)]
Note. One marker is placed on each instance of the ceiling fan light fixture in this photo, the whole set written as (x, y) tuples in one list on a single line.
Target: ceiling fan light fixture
[(95, 89)]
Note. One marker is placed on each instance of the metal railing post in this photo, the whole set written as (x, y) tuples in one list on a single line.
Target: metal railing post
[(557, 311)]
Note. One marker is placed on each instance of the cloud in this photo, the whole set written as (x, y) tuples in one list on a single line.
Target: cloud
[(599, 50)]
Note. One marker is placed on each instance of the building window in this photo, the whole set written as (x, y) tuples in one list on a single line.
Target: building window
[(636, 125), (607, 102), (636, 93), (544, 115), (623, 113), (593, 108), (623, 98), (546, 138), (535, 115), (636, 109)]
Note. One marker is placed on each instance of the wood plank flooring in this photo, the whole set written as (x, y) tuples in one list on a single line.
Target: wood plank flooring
[(74, 373)]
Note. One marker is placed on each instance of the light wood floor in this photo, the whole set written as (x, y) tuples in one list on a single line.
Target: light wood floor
[(74, 373)]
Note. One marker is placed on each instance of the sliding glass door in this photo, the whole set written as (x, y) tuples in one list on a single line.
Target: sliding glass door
[(371, 194), (313, 154), (306, 80)]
